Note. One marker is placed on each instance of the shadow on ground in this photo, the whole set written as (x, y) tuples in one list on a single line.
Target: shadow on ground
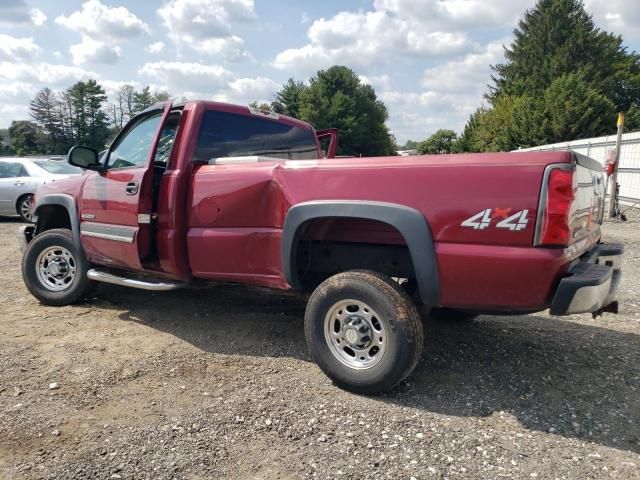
[(579, 381)]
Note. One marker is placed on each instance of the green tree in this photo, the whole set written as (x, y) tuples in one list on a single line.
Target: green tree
[(440, 142), (5, 142), (410, 145), (142, 99), (632, 119), (45, 112), (336, 98), (573, 110), (288, 98), (262, 106), (558, 37), (27, 137), (563, 79), (89, 120)]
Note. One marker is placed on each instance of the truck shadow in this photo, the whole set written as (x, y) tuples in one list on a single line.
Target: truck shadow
[(575, 380)]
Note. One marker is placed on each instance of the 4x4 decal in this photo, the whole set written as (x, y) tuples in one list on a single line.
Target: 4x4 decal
[(514, 222)]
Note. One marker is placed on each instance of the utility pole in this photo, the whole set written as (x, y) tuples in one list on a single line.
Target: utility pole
[(614, 176)]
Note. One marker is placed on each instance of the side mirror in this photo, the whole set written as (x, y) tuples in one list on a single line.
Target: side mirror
[(84, 157)]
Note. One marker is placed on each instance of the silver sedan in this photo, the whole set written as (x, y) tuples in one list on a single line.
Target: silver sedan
[(20, 177)]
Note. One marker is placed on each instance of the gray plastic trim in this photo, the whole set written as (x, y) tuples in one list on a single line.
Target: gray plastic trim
[(411, 224), (68, 202)]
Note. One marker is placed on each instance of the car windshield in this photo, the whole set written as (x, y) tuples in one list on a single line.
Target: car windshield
[(58, 167)]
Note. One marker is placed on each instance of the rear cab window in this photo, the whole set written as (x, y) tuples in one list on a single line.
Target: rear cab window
[(226, 134)]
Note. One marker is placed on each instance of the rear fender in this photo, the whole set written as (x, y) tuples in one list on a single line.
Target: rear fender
[(409, 222)]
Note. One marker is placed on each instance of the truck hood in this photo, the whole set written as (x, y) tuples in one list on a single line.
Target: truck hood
[(67, 184)]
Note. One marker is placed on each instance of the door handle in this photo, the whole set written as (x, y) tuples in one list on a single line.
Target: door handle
[(131, 188), (19, 183)]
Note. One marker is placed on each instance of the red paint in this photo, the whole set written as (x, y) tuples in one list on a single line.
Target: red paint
[(224, 222)]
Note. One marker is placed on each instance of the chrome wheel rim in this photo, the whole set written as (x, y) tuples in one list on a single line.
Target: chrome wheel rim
[(355, 334), (56, 268), (25, 208)]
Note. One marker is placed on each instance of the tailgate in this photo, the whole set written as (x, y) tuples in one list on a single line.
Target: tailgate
[(588, 208)]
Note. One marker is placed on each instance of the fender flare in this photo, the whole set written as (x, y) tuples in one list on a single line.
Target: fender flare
[(69, 203), (411, 224)]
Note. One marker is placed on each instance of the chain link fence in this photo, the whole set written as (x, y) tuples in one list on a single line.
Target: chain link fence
[(596, 148)]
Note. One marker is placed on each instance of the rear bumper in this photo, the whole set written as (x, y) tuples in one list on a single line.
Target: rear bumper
[(591, 282)]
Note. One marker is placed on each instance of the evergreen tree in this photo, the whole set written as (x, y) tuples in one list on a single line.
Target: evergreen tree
[(558, 37), (89, 120), (573, 110), (336, 98), (142, 100), (563, 79), (288, 98), (27, 137), (44, 110)]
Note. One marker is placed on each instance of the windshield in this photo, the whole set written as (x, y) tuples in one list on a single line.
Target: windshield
[(57, 167)]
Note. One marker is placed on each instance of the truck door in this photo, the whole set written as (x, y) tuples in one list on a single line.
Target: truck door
[(116, 203)]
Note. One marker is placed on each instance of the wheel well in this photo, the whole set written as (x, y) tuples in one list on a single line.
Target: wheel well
[(52, 216), (330, 245)]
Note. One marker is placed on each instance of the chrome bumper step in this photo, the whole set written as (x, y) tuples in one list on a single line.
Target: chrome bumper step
[(159, 285)]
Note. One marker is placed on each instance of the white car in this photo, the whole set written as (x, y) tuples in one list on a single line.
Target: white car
[(20, 177)]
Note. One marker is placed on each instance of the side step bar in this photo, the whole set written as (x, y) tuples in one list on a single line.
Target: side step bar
[(155, 286)]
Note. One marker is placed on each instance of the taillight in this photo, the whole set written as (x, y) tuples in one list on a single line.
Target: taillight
[(556, 217)]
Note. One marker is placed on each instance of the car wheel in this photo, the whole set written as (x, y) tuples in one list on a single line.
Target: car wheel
[(363, 331), (24, 206), (452, 315), (54, 269)]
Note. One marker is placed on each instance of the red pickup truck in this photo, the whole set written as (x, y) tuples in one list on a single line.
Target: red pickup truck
[(205, 191)]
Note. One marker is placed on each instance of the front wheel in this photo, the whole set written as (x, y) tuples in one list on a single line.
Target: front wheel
[(363, 331), (54, 269)]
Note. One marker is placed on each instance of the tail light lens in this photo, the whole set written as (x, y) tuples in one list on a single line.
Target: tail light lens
[(556, 219)]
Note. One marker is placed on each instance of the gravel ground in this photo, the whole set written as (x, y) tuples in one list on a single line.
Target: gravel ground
[(217, 383)]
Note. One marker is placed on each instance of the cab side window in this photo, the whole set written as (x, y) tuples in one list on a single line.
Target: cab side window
[(224, 134), (132, 150)]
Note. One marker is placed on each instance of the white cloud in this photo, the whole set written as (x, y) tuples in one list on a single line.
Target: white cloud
[(18, 12), (452, 14), (41, 74), (378, 82), (469, 74), (621, 17), (94, 51), (206, 25), (16, 89), (452, 91), (187, 76), (99, 21), (361, 39), (246, 90), (155, 47), (20, 48)]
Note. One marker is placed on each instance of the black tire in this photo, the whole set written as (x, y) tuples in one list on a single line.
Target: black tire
[(397, 317), (78, 286), (21, 207), (452, 315)]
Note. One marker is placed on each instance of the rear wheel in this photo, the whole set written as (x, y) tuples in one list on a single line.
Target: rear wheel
[(54, 269), (24, 206), (363, 331)]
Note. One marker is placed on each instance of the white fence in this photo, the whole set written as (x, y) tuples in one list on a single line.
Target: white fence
[(596, 148)]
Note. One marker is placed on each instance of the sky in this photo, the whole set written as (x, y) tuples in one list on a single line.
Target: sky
[(428, 60)]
